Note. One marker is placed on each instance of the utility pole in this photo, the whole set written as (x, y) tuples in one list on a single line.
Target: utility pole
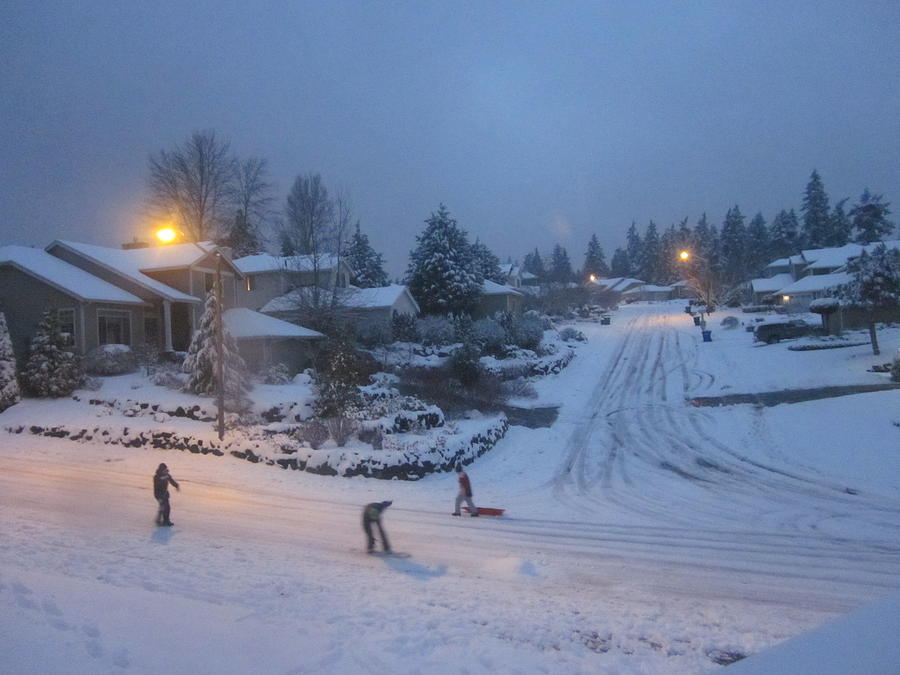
[(220, 356)]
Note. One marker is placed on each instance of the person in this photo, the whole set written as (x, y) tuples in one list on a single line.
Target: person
[(372, 514), (161, 482), (465, 492)]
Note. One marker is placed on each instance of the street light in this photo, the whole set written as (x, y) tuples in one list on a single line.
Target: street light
[(685, 255), (166, 235)]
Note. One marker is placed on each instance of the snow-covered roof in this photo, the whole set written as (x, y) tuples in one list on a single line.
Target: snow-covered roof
[(528, 275), (785, 262), (131, 263), (245, 323), (357, 298), (831, 258), (816, 282), (489, 287), (771, 284), (509, 269), (263, 262), (64, 276), (655, 288), (620, 283)]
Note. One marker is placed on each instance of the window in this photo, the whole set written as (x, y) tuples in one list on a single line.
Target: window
[(248, 281), (66, 319), (113, 327)]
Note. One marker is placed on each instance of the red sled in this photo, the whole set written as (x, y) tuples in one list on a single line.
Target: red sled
[(485, 511)]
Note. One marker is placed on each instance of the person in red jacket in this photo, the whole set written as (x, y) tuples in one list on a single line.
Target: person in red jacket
[(465, 492)]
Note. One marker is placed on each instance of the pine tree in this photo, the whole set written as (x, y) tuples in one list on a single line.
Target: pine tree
[(560, 266), (816, 217), (594, 260), (651, 255), (619, 265), (670, 246), (367, 265), (841, 227), (875, 284), (870, 221), (734, 246), (9, 386), (242, 238), (534, 264), (337, 377), (486, 263), (635, 250), (441, 272), (51, 369), (201, 362), (757, 244), (784, 235)]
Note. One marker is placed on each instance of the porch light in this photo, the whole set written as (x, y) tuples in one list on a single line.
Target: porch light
[(785, 298)]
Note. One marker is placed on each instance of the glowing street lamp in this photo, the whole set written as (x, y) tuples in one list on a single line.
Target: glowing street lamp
[(166, 235), (685, 255)]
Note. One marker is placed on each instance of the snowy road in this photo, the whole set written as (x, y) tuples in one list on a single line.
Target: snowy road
[(644, 535)]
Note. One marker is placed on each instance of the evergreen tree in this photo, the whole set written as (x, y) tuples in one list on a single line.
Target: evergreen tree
[(651, 255), (242, 238), (486, 263), (594, 260), (337, 377), (201, 362), (635, 250), (619, 265), (734, 246), (784, 235), (9, 386), (757, 245), (670, 247), (51, 369), (875, 284), (816, 217), (560, 266), (841, 227), (870, 221), (286, 245), (534, 264), (367, 265), (441, 272)]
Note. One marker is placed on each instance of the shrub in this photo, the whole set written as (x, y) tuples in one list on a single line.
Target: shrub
[(314, 432), (147, 356), (341, 429), (373, 437), (169, 375), (404, 328), (730, 322), (276, 373), (464, 364), (110, 360), (568, 333), (490, 335), (462, 328), (435, 331), (528, 333), (374, 334), (519, 388)]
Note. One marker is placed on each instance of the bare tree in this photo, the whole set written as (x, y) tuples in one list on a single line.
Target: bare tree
[(253, 207), (194, 184)]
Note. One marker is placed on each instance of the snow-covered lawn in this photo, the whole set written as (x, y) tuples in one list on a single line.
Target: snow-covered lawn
[(642, 534)]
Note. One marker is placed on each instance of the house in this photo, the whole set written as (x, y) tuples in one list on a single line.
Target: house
[(498, 298), (513, 274), (762, 289), (799, 294), (267, 277), (172, 280), (648, 293), (363, 308), (618, 284), (264, 340), (90, 311)]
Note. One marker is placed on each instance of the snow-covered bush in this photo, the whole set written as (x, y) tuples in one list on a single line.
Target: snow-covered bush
[(9, 385), (490, 335), (404, 328), (337, 379), (435, 331), (110, 360), (519, 388), (568, 334), (373, 436), (147, 356), (341, 428), (464, 364), (276, 373), (730, 322), (51, 369), (545, 321), (462, 327), (527, 333), (169, 375), (314, 432)]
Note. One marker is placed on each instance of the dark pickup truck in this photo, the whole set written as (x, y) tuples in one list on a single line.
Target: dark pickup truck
[(773, 332)]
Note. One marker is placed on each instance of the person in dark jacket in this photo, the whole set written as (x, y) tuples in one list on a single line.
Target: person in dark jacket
[(161, 482), (372, 515), (465, 493)]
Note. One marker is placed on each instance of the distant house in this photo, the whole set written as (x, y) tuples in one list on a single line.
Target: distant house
[(90, 311), (265, 340), (513, 274), (648, 292), (498, 298), (172, 280), (268, 276), (362, 308), (762, 290), (618, 284)]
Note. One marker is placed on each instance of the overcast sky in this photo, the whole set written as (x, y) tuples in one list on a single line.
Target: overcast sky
[(535, 122)]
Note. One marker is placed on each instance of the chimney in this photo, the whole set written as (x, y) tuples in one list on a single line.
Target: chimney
[(134, 243)]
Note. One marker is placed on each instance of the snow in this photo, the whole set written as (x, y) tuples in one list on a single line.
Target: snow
[(264, 262), (245, 323), (641, 535), (65, 277), (771, 284), (377, 297), (489, 287), (130, 263), (817, 282)]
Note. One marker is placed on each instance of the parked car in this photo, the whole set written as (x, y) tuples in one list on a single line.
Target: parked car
[(773, 332)]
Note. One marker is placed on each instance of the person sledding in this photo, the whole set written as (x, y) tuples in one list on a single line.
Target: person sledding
[(372, 516), (465, 492), (161, 482)]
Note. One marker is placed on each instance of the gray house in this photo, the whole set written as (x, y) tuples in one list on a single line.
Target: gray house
[(90, 310), (268, 276)]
